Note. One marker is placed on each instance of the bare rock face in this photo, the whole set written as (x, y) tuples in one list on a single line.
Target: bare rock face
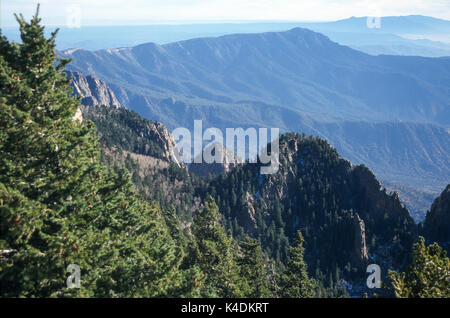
[(163, 137), (227, 161), (249, 219), (360, 253), (93, 90)]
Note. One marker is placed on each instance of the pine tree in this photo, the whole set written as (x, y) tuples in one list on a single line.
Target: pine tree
[(427, 277), (295, 282), (58, 204), (253, 270), (216, 256)]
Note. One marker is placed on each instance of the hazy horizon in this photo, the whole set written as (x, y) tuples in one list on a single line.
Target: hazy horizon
[(219, 22), (157, 12)]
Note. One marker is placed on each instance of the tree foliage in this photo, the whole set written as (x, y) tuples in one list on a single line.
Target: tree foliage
[(58, 204), (216, 254), (427, 277), (62, 203), (295, 281), (253, 269)]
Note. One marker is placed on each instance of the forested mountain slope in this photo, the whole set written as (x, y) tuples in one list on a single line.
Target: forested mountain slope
[(66, 201), (436, 227), (148, 151), (346, 217), (387, 112)]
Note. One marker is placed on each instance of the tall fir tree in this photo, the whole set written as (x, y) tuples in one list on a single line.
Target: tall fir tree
[(295, 282), (215, 254), (58, 204), (253, 270)]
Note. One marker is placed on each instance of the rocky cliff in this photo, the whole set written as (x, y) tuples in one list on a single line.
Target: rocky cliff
[(93, 90)]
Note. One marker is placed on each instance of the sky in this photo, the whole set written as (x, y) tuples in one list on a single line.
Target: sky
[(135, 12)]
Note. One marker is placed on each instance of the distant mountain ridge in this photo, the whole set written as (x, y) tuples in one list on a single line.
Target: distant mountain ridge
[(299, 69), (409, 24), (396, 35), (409, 153), (299, 81)]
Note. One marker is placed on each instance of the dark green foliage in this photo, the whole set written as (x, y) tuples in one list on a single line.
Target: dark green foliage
[(324, 196), (119, 127), (216, 254), (253, 270), (58, 204), (428, 276), (295, 282)]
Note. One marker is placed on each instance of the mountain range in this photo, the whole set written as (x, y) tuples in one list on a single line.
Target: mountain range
[(299, 70), (389, 112), (315, 190), (100, 189), (414, 35), (401, 35)]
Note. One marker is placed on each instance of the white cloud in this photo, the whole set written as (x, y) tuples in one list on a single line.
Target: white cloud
[(153, 11)]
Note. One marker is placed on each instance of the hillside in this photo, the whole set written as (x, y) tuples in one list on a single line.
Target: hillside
[(127, 130), (436, 227), (148, 151), (97, 192), (410, 154), (303, 71), (347, 199), (298, 81), (325, 196)]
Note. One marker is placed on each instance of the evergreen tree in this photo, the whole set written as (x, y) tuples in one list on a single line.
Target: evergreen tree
[(253, 269), (216, 257), (427, 277), (295, 282), (58, 203)]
